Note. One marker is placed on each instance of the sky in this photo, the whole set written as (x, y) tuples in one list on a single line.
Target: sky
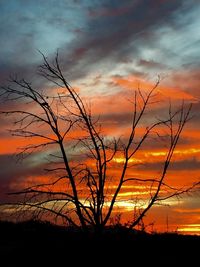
[(108, 48)]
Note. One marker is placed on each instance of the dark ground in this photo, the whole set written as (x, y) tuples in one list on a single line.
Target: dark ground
[(42, 244)]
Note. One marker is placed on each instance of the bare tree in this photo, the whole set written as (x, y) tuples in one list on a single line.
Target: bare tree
[(79, 189)]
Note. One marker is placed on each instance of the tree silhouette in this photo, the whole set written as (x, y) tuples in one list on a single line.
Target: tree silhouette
[(79, 189)]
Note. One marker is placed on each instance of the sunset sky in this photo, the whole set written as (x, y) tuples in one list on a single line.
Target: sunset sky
[(108, 48)]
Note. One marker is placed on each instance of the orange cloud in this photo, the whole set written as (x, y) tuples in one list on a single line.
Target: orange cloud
[(132, 82)]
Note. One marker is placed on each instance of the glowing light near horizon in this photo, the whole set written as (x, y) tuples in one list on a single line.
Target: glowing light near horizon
[(155, 154), (122, 160), (125, 205), (177, 152), (133, 187), (158, 154), (190, 228), (130, 193), (187, 151)]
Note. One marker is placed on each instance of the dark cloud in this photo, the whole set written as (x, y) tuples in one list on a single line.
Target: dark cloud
[(91, 35), (190, 164), (14, 172), (149, 64), (116, 31), (28, 26), (187, 165)]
